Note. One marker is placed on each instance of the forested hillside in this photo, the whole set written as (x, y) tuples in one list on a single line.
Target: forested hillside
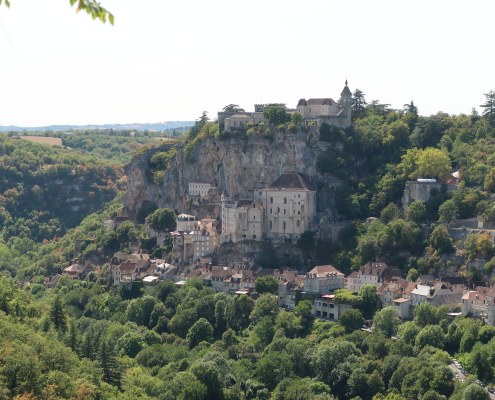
[(46, 190), (80, 341)]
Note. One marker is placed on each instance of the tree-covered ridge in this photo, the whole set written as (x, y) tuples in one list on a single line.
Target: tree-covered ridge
[(46, 190), (385, 147), (118, 146)]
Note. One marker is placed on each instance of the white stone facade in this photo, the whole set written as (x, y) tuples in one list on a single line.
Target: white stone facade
[(200, 189), (285, 210), (290, 207), (185, 222), (323, 279)]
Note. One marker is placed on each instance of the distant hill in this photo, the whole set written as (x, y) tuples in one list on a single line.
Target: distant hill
[(157, 126)]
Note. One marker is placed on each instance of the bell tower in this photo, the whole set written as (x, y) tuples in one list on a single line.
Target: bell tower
[(346, 104)]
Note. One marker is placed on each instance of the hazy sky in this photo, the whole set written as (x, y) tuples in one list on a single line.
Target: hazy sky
[(170, 60)]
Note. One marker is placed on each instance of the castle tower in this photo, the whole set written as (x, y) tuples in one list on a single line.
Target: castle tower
[(346, 103)]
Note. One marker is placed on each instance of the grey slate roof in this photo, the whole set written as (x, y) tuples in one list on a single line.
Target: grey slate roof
[(293, 180)]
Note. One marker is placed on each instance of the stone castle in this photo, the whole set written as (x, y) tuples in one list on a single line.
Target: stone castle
[(314, 112)]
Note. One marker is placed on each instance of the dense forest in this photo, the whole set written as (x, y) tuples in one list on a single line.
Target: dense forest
[(89, 340), (81, 341)]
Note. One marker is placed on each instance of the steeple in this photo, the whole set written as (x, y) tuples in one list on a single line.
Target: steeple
[(346, 91), (346, 103)]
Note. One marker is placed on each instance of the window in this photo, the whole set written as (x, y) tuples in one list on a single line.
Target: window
[(278, 209), (298, 223), (284, 225), (285, 200), (271, 200), (299, 196), (285, 211), (271, 225), (271, 211), (299, 213)]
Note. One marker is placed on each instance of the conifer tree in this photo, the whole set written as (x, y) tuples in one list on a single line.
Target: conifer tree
[(57, 315), (87, 345), (72, 339), (108, 363)]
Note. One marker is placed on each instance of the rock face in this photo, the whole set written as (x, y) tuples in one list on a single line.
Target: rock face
[(238, 164)]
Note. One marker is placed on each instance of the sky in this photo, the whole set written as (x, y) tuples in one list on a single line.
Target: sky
[(170, 60)]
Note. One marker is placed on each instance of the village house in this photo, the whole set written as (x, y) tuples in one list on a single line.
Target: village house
[(373, 273), (479, 303), (193, 240), (441, 294), (79, 270), (326, 307), (403, 308), (421, 190), (289, 283), (438, 294), (393, 289), (420, 295), (128, 268), (323, 279)]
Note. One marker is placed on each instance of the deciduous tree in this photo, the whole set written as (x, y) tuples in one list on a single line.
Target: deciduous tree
[(386, 322), (162, 219)]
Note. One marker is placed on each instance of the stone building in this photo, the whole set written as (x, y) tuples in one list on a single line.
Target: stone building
[(326, 307), (479, 303), (185, 222), (314, 112), (323, 279), (128, 268), (373, 273), (241, 220), (290, 206), (199, 189), (284, 210), (195, 240)]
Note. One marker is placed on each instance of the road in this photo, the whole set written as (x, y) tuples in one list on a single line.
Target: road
[(460, 376)]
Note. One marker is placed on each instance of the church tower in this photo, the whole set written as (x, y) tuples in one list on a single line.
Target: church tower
[(346, 104)]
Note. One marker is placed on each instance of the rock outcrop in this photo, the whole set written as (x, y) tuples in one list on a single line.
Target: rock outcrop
[(238, 163)]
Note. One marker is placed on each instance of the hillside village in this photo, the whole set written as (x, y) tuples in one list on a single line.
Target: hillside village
[(281, 212), (258, 234)]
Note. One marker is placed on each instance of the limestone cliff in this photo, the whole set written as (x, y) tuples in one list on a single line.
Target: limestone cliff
[(238, 164)]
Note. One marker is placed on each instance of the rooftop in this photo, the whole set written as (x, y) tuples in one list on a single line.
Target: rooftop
[(322, 271), (294, 180)]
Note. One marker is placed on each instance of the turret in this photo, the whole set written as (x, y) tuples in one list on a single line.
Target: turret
[(346, 103), (346, 97)]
